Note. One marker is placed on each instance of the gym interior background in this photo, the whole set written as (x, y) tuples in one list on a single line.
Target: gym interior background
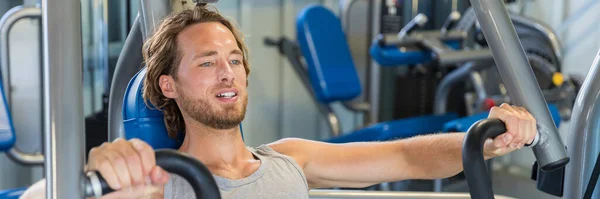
[(279, 105)]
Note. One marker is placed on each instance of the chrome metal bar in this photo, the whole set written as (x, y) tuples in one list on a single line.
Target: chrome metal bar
[(8, 20), (449, 58), (332, 194), (443, 89), (63, 98), (520, 81), (345, 7), (360, 107), (25, 158), (129, 63), (334, 124), (584, 136), (478, 86), (374, 71)]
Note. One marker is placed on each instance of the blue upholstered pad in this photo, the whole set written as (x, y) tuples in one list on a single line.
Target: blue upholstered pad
[(142, 122), (390, 56), (330, 66), (463, 124), (397, 129), (12, 193), (7, 133)]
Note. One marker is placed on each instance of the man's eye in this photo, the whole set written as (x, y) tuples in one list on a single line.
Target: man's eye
[(236, 62), (206, 64)]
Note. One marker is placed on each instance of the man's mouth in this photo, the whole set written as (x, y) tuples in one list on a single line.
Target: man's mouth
[(227, 95)]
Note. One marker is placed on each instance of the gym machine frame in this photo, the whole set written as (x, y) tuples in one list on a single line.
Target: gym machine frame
[(6, 23), (584, 134)]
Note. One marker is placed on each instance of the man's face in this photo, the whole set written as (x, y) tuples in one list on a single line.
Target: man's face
[(211, 80)]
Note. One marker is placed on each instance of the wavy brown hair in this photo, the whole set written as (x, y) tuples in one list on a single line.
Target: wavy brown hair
[(162, 57)]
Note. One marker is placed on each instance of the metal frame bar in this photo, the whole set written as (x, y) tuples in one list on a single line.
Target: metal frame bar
[(520, 81), (8, 20), (150, 14), (63, 98), (129, 63), (584, 136), (443, 89), (332, 194), (345, 7)]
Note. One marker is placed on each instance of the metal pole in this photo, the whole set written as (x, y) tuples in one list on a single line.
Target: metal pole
[(374, 75), (520, 81), (63, 98), (584, 136), (129, 63)]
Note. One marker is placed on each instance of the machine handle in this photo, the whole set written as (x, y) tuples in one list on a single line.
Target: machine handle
[(450, 21), (8, 20), (187, 167), (418, 22), (478, 178)]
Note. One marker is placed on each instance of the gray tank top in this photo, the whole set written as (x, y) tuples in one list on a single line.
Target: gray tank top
[(278, 176)]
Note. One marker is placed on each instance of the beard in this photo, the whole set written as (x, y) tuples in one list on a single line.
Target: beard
[(201, 111)]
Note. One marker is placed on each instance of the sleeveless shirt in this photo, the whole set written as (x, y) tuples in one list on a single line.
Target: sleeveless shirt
[(278, 176)]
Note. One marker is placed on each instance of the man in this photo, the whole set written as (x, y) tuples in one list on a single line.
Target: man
[(197, 74)]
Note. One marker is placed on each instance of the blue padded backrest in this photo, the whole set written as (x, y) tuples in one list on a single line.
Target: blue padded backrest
[(142, 122), (7, 133), (330, 66)]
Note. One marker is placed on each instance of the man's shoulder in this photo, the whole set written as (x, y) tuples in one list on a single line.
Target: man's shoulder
[(297, 148)]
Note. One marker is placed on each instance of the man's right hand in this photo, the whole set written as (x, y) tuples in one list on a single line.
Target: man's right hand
[(129, 167)]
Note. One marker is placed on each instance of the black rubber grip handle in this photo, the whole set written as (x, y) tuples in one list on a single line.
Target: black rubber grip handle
[(478, 178), (272, 42), (187, 167)]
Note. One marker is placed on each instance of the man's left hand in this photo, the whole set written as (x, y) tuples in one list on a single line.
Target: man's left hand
[(520, 130)]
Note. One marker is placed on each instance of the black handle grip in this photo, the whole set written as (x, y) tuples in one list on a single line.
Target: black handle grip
[(187, 167), (272, 42), (478, 178)]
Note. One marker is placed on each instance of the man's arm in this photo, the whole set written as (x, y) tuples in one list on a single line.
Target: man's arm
[(367, 163), (421, 157)]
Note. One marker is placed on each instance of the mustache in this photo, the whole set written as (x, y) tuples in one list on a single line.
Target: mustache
[(226, 86)]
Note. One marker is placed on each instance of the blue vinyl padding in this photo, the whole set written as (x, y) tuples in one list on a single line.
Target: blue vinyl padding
[(12, 193), (398, 129), (392, 56), (142, 122), (329, 62), (7, 132)]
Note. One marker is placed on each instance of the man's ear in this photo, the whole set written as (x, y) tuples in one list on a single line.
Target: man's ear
[(167, 86)]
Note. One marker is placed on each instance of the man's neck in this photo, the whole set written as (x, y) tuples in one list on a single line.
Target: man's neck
[(216, 148)]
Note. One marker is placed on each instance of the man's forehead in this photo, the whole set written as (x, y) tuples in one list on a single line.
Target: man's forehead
[(206, 29), (207, 36)]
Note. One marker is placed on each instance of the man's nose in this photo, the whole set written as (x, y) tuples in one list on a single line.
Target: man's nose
[(226, 72)]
